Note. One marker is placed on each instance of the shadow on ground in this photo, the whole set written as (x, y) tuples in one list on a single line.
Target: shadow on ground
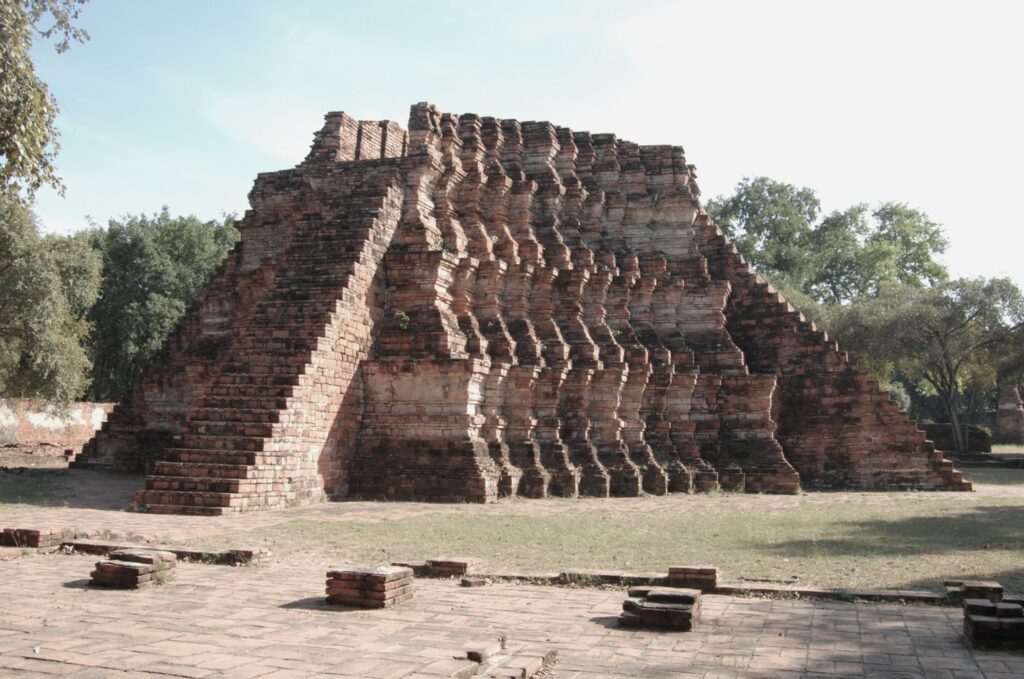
[(977, 530), (995, 476), (76, 488), (309, 603)]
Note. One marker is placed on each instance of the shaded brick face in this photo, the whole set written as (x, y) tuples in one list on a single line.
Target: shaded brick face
[(476, 308)]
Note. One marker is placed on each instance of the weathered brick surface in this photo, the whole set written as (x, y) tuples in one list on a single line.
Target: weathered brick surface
[(369, 587), (481, 307), (1009, 416)]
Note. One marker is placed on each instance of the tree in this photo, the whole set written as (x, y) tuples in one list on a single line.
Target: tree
[(856, 253), (769, 222), (46, 287), (153, 267), (847, 254), (912, 240), (951, 337), (28, 138)]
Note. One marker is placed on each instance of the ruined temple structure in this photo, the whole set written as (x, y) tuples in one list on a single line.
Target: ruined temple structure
[(477, 308), (1009, 416)]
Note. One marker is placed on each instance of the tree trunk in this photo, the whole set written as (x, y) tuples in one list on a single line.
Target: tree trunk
[(969, 417), (953, 410)]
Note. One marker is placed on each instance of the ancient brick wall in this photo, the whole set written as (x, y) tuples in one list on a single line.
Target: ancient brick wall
[(27, 422), (838, 429), (479, 308), (1009, 416)]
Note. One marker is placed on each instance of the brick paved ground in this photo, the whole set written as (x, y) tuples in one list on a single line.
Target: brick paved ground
[(271, 622)]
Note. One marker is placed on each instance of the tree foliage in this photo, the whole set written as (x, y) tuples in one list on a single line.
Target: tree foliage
[(28, 138), (770, 222), (847, 254), (951, 337), (153, 266), (47, 286)]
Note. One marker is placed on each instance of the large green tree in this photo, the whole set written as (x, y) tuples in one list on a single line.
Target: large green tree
[(951, 337), (848, 253), (770, 222), (28, 137), (47, 285), (153, 266)]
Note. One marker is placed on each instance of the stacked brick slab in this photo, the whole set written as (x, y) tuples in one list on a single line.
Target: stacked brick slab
[(369, 587), (133, 569), (703, 578), (958, 591), (989, 624), (479, 308), (35, 538), (448, 567), (667, 607)]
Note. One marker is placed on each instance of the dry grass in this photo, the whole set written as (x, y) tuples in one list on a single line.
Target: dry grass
[(891, 540)]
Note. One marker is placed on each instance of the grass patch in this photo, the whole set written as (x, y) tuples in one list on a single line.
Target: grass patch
[(981, 476), (30, 486), (854, 540)]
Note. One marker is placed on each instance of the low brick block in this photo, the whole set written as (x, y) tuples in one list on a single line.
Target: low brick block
[(664, 607), (369, 586), (35, 538), (118, 574), (449, 566), (704, 578), (959, 590)]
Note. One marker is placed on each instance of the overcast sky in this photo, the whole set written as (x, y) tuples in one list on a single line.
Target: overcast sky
[(181, 103)]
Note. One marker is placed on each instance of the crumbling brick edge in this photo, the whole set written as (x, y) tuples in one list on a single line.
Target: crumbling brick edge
[(601, 578)]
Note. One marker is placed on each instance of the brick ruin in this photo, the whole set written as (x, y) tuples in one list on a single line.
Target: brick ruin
[(477, 308), (1009, 416)]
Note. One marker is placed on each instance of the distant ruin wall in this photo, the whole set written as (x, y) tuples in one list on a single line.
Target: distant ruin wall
[(1009, 416), (28, 422)]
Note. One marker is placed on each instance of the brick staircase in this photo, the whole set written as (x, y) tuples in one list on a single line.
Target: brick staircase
[(236, 449)]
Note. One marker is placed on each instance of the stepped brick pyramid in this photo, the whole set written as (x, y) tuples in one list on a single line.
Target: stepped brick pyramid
[(476, 308)]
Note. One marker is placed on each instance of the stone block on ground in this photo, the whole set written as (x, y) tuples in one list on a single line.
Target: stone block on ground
[(704, 578), (444, 567), (145, 556), (959, 590), (35, 538), (993, 625), (663, 607), (369, 586), (124, 574)]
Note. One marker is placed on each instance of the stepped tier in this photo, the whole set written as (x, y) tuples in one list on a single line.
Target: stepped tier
[(477, 308)]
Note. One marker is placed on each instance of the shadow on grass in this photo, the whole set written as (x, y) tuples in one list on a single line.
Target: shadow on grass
[(997, 476), (967, 532), (1010, 578), (975, 528), (76, 488)]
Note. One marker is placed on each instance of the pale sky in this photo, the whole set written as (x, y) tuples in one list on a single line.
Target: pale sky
[(182, 102)]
